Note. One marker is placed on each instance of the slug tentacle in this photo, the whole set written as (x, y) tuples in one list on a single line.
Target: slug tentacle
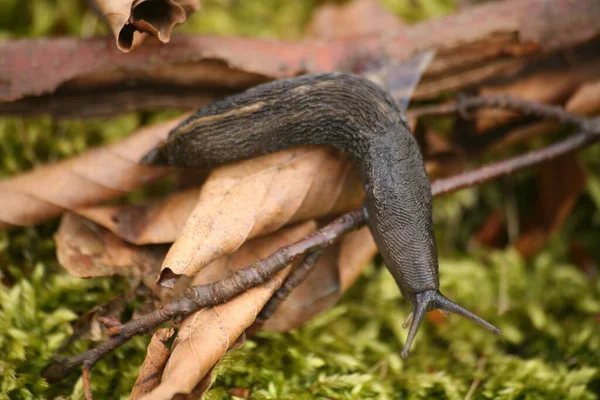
[(433, 300), (356, 116)]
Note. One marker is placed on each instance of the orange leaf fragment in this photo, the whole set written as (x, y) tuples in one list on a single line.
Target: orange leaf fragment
[(152, 368)]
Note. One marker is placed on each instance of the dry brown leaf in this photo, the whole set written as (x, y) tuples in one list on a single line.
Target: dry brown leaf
[(329, 187), (492, 230), (583, 258), (473, 46), (333, 21), (87, 250), (586, 100), (560, 182), (159, 221), (97, 175), (206, 335), (154, 364), (131, 21), (259, 196), (202, 386), (337, 269)]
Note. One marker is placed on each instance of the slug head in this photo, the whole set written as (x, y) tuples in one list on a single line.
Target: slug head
[(430, 300)]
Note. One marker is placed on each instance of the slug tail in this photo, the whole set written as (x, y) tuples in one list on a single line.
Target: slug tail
[(430, 300)]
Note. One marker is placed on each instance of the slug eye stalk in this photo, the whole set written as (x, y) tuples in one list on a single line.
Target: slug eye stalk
[(430, 300)]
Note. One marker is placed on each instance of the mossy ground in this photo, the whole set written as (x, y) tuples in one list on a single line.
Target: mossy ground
[(550, 348)]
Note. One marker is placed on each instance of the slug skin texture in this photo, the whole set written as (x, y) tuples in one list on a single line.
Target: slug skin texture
[(358, 117)]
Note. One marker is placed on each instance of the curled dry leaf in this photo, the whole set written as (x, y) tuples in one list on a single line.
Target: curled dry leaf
[(87, 250), (259, 196), (337, 269), (97, 175), (131, 21), (206, 335), (152, 368)]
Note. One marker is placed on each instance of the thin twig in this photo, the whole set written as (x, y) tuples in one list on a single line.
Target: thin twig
[(111, 308), (209, 295), (212, 294), (525, 107), (495, 170), (87, 386), (294, 279)]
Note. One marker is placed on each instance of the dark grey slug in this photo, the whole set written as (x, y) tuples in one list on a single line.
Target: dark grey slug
[(363, 120)]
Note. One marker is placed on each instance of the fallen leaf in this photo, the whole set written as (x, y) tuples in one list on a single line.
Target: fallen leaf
[(560, 182), (586, 100), (200, 388), (158, 221), (206, 335), (131, 21), (331, 187), (97, 175), (473, 45), (357, 249), (154, 363), (581, 256), (87, 250), (336, 271), (258, 196), (492, 230)]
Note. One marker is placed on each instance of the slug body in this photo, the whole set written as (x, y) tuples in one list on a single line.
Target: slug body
[(359, 118)]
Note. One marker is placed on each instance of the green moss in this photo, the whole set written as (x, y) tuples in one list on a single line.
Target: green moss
[(549, 349), (38, 302), (417, 10), (27, 143), (267, 18), (551, 340)]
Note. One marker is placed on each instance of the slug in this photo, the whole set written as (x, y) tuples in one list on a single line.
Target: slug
[(352, 114)]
